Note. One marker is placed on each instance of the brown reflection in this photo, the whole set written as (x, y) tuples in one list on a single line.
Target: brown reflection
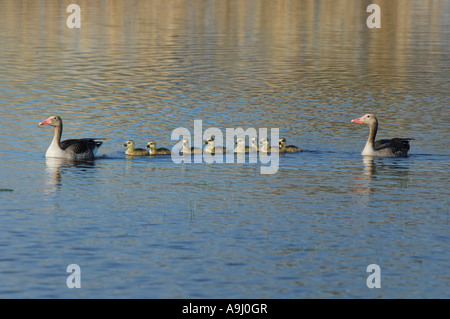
[(235, 63), (311, 35)]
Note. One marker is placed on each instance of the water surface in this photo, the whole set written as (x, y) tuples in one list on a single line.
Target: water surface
[(150, 228)]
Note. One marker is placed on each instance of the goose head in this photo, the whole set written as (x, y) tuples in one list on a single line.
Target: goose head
[(54, 120), (368, 119)]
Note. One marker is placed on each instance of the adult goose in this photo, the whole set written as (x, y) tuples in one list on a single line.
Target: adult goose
[(396, 147), (73, 149)]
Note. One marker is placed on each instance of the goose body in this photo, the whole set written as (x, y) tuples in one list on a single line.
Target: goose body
[(289, 148), (73, 149), (396, 147), (131, 150), (151, 145)]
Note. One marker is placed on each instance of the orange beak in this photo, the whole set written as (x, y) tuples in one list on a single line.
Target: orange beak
[(46, 122), (359, 120)]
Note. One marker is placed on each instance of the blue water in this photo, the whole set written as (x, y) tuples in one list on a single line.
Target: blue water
[(150, 228)]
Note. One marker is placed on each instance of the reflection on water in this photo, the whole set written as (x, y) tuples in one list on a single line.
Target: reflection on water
[(55, 168), (375, 168), (364, 180), (141, 71), (369, 167), (148, 227)]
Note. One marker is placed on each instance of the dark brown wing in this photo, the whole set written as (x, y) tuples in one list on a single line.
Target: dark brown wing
[(80, 146), (396, 146), (163, 150), (293, 149)]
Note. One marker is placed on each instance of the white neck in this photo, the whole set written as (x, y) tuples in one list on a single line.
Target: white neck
[(369, 149), (54, 150)]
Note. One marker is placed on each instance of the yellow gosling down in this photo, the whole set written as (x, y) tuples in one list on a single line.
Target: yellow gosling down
[(241, 148), (289, 148), (134, 151), (212, 149), (254, 148), (153, 151), (186, 149), (265, 148)]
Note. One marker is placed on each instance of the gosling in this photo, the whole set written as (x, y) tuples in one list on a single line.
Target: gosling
[(134, 151), (265, 147), (241, 148), (186, 149), (254, 148), (289, 148), (151, 145), (212, 149)]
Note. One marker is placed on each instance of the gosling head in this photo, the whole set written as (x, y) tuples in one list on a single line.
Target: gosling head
[(151, 145), (264, 141), (210, 141), (239, 141), (129, 144)]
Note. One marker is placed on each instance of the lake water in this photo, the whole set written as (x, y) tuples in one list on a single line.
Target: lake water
[(150, 228)]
